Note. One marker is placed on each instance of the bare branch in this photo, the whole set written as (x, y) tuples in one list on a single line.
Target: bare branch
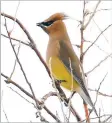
[(99, 64), (97, 38), (15, 61), (97, 117), (22, 96), (99, 88), (97, 47), (30, 39), (15, 17), (99, 93), (100, 30), (20, 62), (8, 81), (105, 121), (16, 40), (45, 97), (85, 26), (100, 10), (3, 108)]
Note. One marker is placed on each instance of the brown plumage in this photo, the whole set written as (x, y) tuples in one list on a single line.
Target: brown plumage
[(61, 58)]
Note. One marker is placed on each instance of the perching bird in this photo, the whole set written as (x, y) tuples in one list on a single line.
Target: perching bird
[(61, 58)]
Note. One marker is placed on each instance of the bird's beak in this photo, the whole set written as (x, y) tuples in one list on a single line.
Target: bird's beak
[(42, 26), (39, 24)]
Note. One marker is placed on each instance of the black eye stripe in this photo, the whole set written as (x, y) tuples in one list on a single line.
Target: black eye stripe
[(47, 23)]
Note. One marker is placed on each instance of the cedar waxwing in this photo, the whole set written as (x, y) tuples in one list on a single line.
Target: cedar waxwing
[(61, 58)]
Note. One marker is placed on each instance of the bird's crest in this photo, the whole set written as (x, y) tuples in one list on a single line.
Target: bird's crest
[(57, 16)]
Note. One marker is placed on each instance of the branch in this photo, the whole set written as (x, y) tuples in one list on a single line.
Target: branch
[(3, 108), (17, 40), (8, 81), (92, 15), (100, 30), (29, 84), (100, 93), (97, 38), (99, 64), (97, 47), (30, 39), (45, 97), (41, 59), (100, 10), (99, 88), (22, 96)]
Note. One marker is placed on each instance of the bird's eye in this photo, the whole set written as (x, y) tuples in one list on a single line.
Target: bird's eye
[(47, 23)]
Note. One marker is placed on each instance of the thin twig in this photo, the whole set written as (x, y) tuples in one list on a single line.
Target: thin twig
[(15, 60), (105, 121), (99, 93), (97, 117), (3, 108), (22, 96), (97, 47), (72, 89), (8, 81), (32, 43), (16, 40), (21, 67), (98, 64), (97, 38), (100, 30), (100, 10), (15, 17), (85, 26), (99, 88)]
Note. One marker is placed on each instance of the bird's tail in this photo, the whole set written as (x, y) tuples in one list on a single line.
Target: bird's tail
[(87, 99)]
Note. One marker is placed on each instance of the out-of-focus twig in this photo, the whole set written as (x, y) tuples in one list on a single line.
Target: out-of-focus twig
[(32, 43), (105, 121), (100, 93), (17, 40), (100, 10), (3, 108), (97, 47), (9, 81), (21, 67), (97, 38), (22, 96), (45, 97), (100, 30), (99, 88), (97, 117), (85, 26), (15, 17), (15, 60), (98, 64)]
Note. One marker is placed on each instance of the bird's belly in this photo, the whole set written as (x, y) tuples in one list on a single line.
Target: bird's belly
[(60, 72)]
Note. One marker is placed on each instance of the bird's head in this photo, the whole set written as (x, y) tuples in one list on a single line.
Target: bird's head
[(54, 23)]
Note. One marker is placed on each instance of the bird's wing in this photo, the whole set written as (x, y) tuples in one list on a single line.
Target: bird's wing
[(69, 58)]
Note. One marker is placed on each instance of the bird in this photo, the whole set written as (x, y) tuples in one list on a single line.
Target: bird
[(61, 58)]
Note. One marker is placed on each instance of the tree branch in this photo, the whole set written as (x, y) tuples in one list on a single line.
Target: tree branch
[(99, 64), (9, 81), (97, 38), (85, 26)]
